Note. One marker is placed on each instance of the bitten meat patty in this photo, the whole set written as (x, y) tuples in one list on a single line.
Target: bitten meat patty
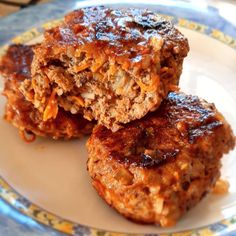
[(157, 168), (114, 66), (15, 67)]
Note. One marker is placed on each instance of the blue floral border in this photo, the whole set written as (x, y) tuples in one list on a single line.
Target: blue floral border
[(206, 20), (35, 16)]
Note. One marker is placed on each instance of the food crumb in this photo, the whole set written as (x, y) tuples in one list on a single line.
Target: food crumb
[(40, 147), (221, 187)]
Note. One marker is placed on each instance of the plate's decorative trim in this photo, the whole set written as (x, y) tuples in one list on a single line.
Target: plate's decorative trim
[(42, 216), (204, 29), (26, 36), (51, 24), (200, 28)]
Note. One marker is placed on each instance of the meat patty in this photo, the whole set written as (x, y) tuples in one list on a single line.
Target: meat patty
[(114, 66), (157, 168), (15, 67)]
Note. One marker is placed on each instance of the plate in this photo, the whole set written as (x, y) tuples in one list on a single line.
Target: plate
[(47, 180)]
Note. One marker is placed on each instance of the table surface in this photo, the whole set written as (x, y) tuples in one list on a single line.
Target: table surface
[(8, 7), (12, 222)]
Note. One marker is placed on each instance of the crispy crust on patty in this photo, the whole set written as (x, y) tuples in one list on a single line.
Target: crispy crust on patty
[(157, 168), (112, 65), (15, 67)]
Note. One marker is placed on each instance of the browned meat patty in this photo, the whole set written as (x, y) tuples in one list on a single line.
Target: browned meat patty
[(15, 67), (112, 65), (157, 168)]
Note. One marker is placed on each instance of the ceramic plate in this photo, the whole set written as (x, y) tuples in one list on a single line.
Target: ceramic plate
[(47, 180)]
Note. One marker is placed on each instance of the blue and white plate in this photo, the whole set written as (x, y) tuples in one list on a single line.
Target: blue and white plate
[(47, 180)]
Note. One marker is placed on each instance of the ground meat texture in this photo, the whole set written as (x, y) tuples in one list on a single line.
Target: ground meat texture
[(114, 66), (15, 68), (155, 169)]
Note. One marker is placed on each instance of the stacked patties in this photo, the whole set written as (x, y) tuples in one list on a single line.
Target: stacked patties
[(113, 66), (15, 68), (155, 151)]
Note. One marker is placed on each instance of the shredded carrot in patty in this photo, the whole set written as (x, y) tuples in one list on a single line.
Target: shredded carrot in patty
[(155, 81), (51, 109), (77, 99), (81, 67)]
